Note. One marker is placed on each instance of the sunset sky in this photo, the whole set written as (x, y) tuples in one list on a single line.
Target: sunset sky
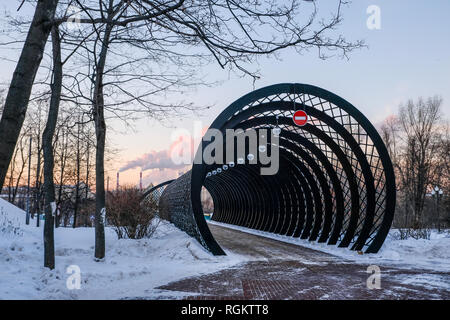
[(407, 58)]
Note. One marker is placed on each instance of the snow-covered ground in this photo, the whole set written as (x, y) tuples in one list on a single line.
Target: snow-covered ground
[(433, 254), (132, 268)]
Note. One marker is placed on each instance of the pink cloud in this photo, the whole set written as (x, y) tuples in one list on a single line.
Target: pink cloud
[(157, 176), (179, 155)]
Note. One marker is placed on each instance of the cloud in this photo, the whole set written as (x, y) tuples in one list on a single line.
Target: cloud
[(152, 160), (178, 156), (157, 176), (168, 164)]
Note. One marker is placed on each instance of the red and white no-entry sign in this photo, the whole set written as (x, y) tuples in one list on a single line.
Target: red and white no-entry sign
[(300, 118)]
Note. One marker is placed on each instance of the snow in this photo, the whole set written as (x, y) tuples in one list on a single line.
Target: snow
[(135, 268), (433, 254), (131, 269)]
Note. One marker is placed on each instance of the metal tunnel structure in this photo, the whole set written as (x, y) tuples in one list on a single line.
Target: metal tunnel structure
[(334, 184)]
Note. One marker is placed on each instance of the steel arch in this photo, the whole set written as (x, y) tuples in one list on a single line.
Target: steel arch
[(336, 183)]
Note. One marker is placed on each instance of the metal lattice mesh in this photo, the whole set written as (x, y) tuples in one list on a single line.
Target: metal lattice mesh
[(357, 132), (335, 183)]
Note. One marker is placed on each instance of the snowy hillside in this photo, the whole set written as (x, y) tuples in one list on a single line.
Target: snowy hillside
[(132, 268)]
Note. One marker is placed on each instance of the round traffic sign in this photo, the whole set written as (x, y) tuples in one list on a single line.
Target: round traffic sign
[(300, 118)]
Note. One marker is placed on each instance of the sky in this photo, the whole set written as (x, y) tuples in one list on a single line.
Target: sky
[(407, 58)]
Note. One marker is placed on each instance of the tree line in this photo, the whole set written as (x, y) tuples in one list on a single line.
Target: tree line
[(73, 150), (417, 139), (123, 58)]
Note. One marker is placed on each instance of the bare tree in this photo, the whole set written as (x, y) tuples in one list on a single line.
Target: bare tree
[(160, 45), (19, 92), (17, 167), (39, 159), (47, 146), (185, 33), (416, 141), (419, 121)]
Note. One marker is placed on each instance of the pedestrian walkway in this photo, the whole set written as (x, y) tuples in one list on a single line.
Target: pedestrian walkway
[(279, 270)]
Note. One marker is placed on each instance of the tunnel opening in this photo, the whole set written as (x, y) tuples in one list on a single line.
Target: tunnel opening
[(334, 184)]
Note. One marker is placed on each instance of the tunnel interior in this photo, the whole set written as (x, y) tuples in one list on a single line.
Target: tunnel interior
[(334, 184)]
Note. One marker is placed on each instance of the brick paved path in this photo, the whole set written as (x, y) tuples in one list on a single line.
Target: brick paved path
[(284, 271)]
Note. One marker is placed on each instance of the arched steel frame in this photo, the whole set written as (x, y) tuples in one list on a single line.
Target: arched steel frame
[(156, 191), (335, 183)]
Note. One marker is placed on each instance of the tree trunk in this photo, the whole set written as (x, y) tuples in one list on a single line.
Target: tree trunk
[(37, 191), (11, 178), (22, 169), (100, 132), (61, 179), (47, 146), (19, 92), (77, 186), (86, 196), (87, 171)]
